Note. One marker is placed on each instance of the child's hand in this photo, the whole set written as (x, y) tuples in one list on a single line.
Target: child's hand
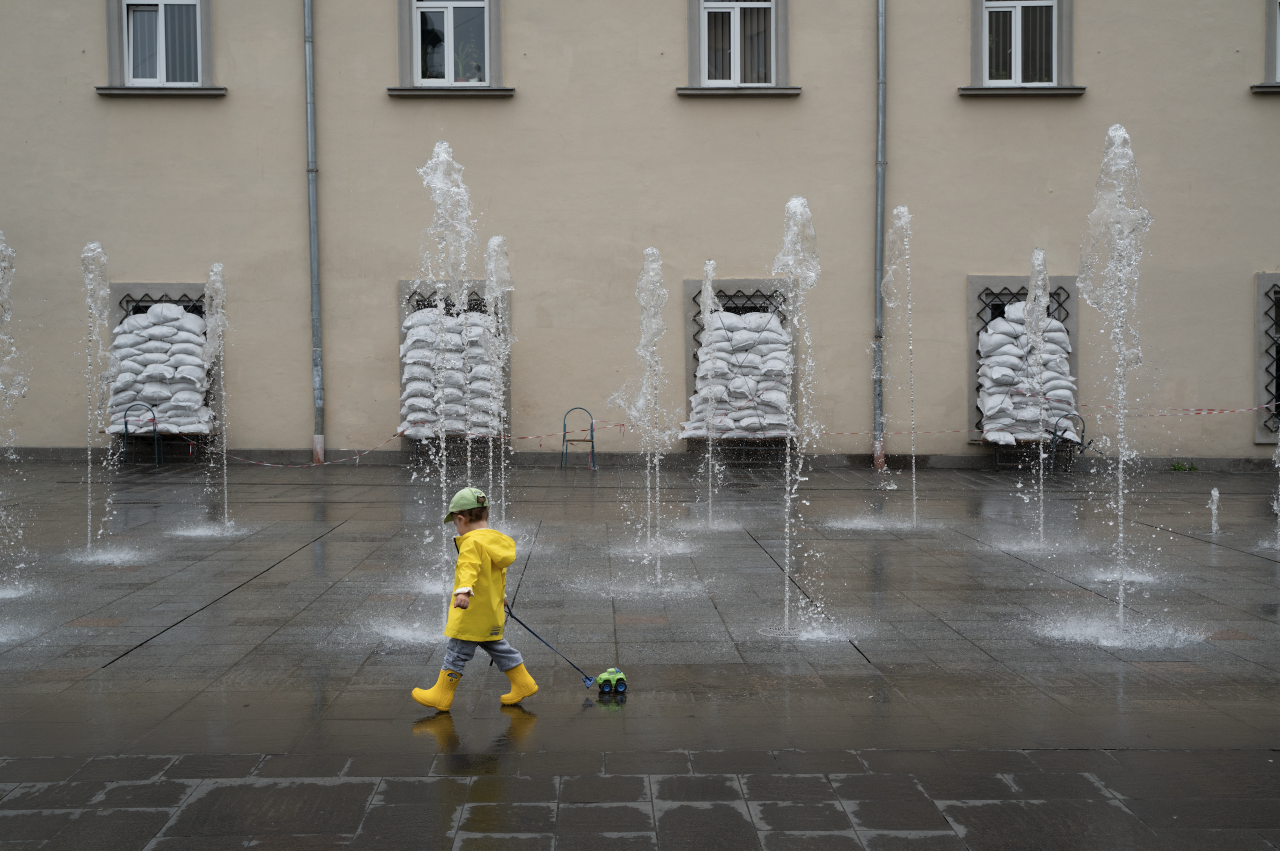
[(461, 601)]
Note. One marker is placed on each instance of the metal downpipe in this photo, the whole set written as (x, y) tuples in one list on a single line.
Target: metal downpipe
[(878, 344), (317, 357)]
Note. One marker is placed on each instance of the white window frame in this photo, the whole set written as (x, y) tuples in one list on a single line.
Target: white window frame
[(159, 79), (735, 40), (447, 6), (1016, 6)]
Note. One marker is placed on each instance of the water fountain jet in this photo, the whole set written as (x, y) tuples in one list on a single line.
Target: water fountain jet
[(1108, 282)]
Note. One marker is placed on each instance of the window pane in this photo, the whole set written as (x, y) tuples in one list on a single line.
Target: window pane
[(1000, 45), (433, 45), (468, 45), (1037, 44), (719, 26), (757, 51), (180, 45), (142, 41)]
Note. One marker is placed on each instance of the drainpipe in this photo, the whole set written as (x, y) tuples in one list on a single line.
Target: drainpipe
[(317, 358), (878, 346)]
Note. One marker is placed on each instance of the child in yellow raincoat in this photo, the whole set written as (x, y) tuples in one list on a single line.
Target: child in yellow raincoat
[(479, 595)]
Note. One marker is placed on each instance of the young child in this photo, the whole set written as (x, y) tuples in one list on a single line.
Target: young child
[(479, 593)]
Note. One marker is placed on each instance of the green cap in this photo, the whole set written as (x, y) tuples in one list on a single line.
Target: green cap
[(464, 499)]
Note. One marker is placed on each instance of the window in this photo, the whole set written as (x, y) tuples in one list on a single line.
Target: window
[(451, 43), (1020, 43), (162, 44), (737, 42)]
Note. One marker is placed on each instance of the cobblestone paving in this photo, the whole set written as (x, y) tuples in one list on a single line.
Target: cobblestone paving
[(953, 686)]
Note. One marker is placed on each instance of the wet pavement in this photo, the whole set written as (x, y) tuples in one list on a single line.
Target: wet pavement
[(951, 685)]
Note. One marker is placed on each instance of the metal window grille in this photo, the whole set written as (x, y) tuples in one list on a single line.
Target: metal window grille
[(421, 301), (993, 303), (739, 302), (1271, 360), (132, 305)]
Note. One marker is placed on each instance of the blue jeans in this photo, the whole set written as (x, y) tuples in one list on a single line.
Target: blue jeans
[(457, 653)]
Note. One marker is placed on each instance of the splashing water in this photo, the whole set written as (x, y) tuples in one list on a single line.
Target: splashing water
[(708, 304), (215, 318), (13, 385), (1108, 282), (101, 368), (643, 402), (1213, 511), (1037, 317), (798, 265), (446, 244), (900, 265), (497, 346)]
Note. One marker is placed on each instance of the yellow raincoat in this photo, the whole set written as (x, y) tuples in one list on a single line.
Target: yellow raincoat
[(483, 558)]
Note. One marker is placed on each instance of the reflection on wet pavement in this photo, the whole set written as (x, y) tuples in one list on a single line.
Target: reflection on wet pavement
[(954, 686)]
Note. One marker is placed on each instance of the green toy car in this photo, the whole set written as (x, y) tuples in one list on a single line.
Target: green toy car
[(612, 681)]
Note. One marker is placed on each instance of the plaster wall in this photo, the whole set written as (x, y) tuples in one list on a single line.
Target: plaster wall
[(596, 158)]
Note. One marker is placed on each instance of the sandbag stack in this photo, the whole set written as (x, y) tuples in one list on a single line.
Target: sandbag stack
[(448, 380), (1010, 403), (743, 380), (160, 359)]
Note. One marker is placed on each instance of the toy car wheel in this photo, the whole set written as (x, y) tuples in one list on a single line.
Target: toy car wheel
[(605, 688), (620, 687)]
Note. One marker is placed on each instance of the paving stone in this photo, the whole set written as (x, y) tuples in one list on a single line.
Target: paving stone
[(698, 788), (707, 827), (202, 766), (251, 808), (598, 789), (119, 830)]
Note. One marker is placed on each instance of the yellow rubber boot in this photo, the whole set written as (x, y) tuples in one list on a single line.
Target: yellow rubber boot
[(522, 685), (440, 695)]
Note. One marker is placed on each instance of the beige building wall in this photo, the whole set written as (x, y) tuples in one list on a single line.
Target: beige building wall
[(594, 159)]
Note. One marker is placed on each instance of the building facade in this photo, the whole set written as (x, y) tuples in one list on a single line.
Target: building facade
[(174, 133)]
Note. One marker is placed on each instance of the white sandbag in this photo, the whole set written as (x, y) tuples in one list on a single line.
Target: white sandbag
[(159, 332), (146, 359), (417, 388), (132, 324), (165, 312), (418, 372), (156, 391), (453, 410), (722, 321), (194, 374), (988, 344), (128, 341), (185, 360), (190, 323), (123, 380), (998, 436), (425, 357), (151, 347), (758, 322), (774, 398), (418, 403), (418, 417), (426, 316), (156, 372), (186, 337), (187, 399), (483, 372), (1016, 312)]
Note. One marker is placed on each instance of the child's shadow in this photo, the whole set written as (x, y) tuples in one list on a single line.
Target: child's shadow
[(519, 725)]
